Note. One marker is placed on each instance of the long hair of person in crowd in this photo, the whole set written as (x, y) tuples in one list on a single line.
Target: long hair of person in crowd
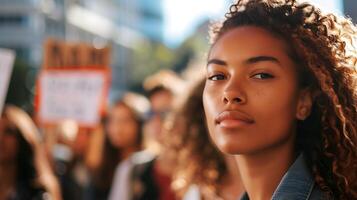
[(123, 132), (199, 162), (322, 48), (34, 178)]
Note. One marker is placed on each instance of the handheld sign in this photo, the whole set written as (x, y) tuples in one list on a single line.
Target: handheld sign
[(76, 94), (73, 83), (61, 54), (7, 58)]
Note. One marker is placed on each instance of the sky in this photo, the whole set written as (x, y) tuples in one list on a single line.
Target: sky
[(180, 20)]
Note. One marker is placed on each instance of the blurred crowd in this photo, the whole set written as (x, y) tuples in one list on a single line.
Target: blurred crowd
[(147, 146)]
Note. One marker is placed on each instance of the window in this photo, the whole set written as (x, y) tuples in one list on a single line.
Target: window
[(13, 20)]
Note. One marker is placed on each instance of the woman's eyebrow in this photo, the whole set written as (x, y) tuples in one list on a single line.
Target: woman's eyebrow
[(251, 60), (257, 59), (217, 62)]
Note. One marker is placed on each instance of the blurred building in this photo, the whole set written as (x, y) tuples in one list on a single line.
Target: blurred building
[(25, 23), (122, 24), (145, 17)]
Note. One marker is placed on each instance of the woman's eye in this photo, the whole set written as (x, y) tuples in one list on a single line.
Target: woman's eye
[(262, 76), (216, 77)]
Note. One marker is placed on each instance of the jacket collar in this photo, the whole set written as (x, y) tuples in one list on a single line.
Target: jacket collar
[(296, 184)]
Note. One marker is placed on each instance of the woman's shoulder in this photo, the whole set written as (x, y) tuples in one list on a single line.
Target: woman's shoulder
[(298, 183)]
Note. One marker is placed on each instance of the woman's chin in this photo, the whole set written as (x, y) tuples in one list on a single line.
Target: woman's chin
[(236, 148), (229, 148)]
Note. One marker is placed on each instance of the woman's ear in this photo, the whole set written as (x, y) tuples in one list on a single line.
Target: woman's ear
[(304, 104)]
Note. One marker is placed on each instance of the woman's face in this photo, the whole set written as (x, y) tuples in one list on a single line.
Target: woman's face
[(121, 127), (251, 97)]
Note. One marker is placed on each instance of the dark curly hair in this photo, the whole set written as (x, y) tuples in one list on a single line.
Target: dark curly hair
[(322, 46), (199, 162)]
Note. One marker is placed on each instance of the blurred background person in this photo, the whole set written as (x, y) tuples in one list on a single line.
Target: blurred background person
[(123, 137), (202, 171), (25, 172), (153, 167), (160, 98), (69, 154)]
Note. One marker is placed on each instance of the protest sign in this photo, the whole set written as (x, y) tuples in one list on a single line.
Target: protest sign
[(76, 94), (7, 58), (62, 54)]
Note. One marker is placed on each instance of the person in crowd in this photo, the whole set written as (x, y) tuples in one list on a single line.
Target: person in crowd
[(25, 172), (69, 153), (280, 95), (123, 137), (201, 172), (161, 101), (151, 175)]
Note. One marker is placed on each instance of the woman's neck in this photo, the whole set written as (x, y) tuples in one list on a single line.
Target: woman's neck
[(262, 172), (232, 186)]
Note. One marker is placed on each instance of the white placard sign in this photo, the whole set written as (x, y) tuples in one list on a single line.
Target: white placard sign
[(76, 95), (7, 58)]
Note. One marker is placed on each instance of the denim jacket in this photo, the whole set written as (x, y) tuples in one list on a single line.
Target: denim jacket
[(296, 184)]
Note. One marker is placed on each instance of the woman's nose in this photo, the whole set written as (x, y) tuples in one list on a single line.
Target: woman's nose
[(232, 98), (233, 94)]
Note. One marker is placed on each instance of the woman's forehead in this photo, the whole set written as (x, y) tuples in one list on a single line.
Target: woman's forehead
[(251, 38), (242, 43)]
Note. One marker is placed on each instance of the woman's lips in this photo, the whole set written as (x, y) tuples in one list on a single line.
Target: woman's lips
[(233, 119)]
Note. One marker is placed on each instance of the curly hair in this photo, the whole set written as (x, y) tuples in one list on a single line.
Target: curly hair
[(199, 162), (322, 46)]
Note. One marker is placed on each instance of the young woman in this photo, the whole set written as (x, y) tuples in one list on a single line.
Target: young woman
[(280, 94), (202, 172), (123, 138), (25, 172)]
